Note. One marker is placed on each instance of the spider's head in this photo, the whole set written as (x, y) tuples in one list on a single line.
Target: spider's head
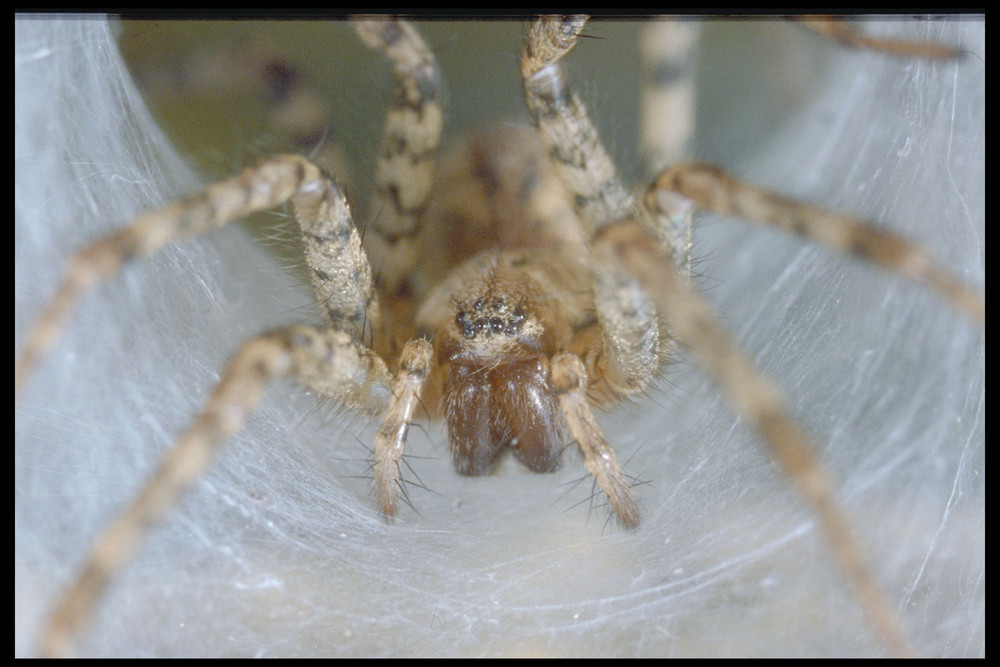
[(493, 319), (494, 327), (497, 393)]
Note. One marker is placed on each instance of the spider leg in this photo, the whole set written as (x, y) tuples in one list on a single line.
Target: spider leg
[(631, 346), (412, 132), (414, 366), (668, 92), (264, 186), (692, 322), (670, 217), (340, 272), (328, 361), (714, 190), (568, 134), (569, 378), (668, 119), (836, 30)]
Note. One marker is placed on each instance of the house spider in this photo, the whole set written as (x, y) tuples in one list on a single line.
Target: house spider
[(283, 564)]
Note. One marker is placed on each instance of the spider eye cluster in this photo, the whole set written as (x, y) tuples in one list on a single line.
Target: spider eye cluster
[(490, 317)]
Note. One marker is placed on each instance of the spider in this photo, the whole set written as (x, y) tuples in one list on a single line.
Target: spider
[(457, 622)]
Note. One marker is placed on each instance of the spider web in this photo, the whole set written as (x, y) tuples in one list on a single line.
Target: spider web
[(278, 550)]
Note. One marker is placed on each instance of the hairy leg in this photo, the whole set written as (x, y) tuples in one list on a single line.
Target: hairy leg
[(329, 362), (412, 131)]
